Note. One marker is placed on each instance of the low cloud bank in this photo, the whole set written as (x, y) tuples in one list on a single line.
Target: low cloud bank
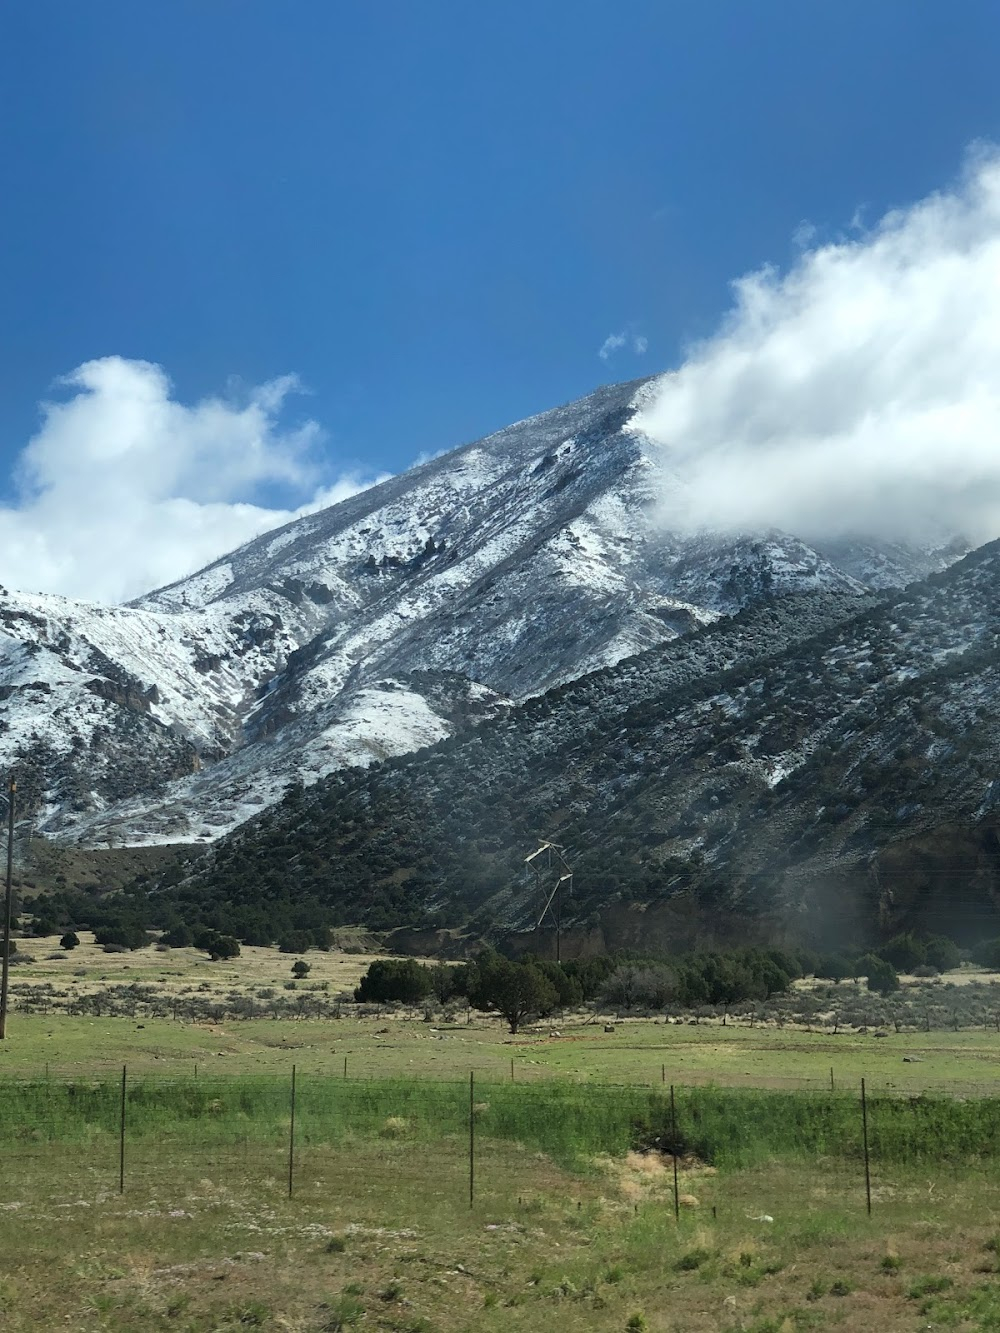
[(124, 488), (856, 394)]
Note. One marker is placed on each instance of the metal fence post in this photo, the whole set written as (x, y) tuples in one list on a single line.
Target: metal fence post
[(291, 1139), (864, 1133), (472, 1136), (121, 1136), (673, 1152)]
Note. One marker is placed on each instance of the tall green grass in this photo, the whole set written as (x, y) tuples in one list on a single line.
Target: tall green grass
[(730, 1128)]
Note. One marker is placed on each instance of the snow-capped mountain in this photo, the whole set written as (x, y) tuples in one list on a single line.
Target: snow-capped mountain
[(378, 626)]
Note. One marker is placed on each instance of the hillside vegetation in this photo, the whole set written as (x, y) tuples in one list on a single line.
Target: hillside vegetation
[(818, 766)]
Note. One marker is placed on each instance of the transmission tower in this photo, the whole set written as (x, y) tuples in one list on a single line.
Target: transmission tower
[(553, 877)]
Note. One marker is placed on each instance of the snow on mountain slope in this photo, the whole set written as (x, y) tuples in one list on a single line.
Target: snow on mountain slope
[(823, 762), (377, 626)]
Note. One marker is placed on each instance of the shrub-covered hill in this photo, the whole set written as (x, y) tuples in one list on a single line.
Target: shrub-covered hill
[(824, 761)]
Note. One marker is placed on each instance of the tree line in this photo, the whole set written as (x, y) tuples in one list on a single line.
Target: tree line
[(536, 988), (533, 987)]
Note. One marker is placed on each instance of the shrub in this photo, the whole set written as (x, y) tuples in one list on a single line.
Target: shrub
[(929, 1286), (987, 954), (178, 937), (569, 992), (943, 953), (693, 1259), (296, 941), (443, 982), (69, 940), (124, 935), (904, 952), (402, 980), (809, 962), (217, 945), (300, 968), (700, 979), (833, 967), (881, 975)]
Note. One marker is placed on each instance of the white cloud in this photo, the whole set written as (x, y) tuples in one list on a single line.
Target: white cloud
[(124, 489), (857, 394), (614, 342)]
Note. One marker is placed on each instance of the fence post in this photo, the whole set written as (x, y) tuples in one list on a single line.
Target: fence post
[(345, 1066), (121, 1137), (864, 1132), (663, 1073), (831, 1079), (673, 1153), (472, 1136), (512, 1069), (291, 1139)]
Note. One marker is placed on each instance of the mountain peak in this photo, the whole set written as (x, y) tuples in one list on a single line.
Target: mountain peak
[(379, 625)]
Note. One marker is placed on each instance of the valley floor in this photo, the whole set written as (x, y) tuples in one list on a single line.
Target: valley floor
[(379, 1232), (637, 1052)]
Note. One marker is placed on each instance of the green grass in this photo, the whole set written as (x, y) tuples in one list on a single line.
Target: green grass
[(725, 1127), (638, 1051), (566, 1225)]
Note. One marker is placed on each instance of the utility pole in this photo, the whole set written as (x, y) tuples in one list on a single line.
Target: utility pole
[(5, 975)]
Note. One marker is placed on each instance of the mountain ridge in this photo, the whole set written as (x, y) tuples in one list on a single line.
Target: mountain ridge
[(823, 762), (377, 627)]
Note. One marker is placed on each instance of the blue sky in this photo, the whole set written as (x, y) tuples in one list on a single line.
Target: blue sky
[(435, 213)]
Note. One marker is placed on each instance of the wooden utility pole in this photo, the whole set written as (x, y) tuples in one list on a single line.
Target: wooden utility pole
[(5, 975)]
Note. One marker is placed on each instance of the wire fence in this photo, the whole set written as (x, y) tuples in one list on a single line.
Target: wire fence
[(457, 1139)]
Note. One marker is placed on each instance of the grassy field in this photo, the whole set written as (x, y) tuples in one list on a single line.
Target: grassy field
[(376, 1241), (569, 1222), (394, 1043), (638, 1051), (573, 1215), (177, 972)]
